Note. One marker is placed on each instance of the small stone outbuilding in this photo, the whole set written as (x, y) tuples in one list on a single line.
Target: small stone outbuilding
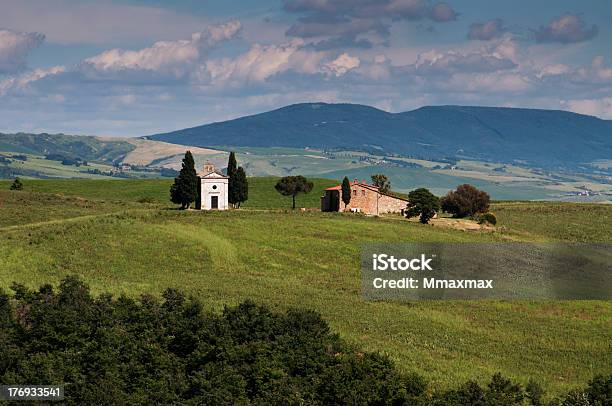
[(365, 199), (212, 189)]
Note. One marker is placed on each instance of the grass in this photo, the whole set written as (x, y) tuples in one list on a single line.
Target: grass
[(262, 194), (309, 259)]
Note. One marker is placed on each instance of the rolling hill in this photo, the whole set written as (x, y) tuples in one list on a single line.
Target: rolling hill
[(537, 138)]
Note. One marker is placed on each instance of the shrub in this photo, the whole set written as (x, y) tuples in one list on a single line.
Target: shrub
[(487, 217), (465, 201), (17, 184)]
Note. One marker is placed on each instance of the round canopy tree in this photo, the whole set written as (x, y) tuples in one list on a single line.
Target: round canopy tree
[(422, 203), (465, 201), (292, 186)]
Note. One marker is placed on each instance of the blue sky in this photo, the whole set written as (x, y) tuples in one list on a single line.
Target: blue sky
[(137, 67)]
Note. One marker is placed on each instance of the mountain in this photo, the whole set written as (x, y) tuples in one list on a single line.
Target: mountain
[(541, 138)]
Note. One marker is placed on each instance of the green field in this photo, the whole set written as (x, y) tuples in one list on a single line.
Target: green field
[(106, 232)]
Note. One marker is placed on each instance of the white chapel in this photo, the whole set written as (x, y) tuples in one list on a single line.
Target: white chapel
[(213, 189)]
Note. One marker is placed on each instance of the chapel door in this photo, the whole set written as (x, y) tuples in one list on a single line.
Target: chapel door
[(214, 202)]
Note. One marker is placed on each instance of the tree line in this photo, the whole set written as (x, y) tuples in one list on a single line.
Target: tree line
[(172, 350)]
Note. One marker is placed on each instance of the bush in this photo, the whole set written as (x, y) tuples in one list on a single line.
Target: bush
[(487, 217), (465, 201), (17, 184)]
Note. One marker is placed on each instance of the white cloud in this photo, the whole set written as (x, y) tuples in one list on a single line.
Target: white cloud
[(168, 57), (342, 64), (594, 107), (14, 48), (446, 63)]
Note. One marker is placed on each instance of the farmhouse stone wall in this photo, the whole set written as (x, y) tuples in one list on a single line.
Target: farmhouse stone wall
[(365, 198)]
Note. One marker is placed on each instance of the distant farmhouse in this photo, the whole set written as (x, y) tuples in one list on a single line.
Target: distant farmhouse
[(364, 199), (212, 189)]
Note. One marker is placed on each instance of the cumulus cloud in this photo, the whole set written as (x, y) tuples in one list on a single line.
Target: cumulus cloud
[(568, 28), (176, 58), (342, 64), (260, 63), (14, 48), (345, 20), (446, 63), (487, 31)]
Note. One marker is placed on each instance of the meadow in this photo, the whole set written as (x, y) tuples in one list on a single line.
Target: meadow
[(124, 237)]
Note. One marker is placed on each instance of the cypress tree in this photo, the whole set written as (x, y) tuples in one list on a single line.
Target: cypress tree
[(242, 185), (185, 188), (233, 188), (346, 191)]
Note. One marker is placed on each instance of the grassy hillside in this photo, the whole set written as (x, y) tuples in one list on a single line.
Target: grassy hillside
[(262, 194), (87, 148), (99, 230)]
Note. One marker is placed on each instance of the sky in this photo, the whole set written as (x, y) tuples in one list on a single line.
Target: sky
[(140, 67)]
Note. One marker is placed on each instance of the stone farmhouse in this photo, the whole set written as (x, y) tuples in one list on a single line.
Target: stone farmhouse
[(212, 189), (364, 199)]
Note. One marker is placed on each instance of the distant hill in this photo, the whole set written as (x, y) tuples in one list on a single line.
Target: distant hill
[(541, 138), (70, 146)]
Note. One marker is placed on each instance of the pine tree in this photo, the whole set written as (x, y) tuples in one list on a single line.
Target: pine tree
[(292, 186), (233, 188), (185, 188), (243, 185), (381, 181), (346, 191)]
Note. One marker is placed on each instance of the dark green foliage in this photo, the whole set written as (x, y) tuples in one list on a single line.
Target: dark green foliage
[(292, 186), (382, 182), (109, 350), (243, 185), (534, 393), (185, 188), (232, 187), (487, 217), (147, 351), (422, 203), (346, 191), (17, 184), (499, 392), (600, 390), (465, 201), (238, 187)]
